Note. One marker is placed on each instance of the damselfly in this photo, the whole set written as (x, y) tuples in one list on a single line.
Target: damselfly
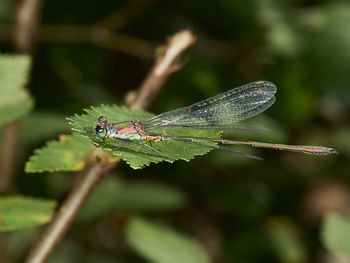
[(220, 112)]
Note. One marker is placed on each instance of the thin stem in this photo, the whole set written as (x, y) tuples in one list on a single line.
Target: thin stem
[(8, 154), (55, 231), (167, 63), (26, 25), (3, 247)]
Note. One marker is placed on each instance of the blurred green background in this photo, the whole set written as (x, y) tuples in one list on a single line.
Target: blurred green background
[(238, 210)]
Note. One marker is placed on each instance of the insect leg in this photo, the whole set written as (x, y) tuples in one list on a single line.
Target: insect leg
[(146, 145), (100, 143)]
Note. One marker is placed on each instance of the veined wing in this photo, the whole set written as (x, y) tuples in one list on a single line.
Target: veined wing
[(221, 111)]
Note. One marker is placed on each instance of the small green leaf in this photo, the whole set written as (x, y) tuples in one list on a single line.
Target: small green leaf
[(138, 156), (336, 234), (14, 100), (161, 244), (64, 155), (119, 195), (18, 212)]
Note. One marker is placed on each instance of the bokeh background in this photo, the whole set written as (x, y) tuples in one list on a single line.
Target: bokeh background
[(238, 210)]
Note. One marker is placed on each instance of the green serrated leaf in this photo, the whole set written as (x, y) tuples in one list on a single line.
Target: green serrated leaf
[(161, 244), (138, 156), (64, 155), (119, 195), (18, 212), (15, 101), (336, 234)]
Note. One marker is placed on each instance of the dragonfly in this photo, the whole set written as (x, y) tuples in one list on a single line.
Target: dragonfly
[(220, 112)]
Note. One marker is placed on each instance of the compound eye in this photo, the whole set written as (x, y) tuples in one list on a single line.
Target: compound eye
[(102, 119), (100, 131)]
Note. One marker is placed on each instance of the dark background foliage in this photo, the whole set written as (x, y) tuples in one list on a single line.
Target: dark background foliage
[(240, 210)]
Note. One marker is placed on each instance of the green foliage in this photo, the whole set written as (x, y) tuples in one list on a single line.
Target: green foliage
[(18, 212), (280, 35), (67, 154), (161, 244), (15, 101), (341, 139), (6, 11), (301, 46), (39, 126), (336, 234), (18, 242), (138, 156), (114, 194), (286, 240), (328, 48)]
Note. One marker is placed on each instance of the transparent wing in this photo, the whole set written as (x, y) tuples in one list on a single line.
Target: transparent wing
[(220, 111)]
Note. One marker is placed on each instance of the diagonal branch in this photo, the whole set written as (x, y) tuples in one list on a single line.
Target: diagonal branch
[(100, 166), (167, 63)]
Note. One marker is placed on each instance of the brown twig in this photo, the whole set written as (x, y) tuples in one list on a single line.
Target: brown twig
[(8, 154), (167, 63), (27, 18), (92, 174)]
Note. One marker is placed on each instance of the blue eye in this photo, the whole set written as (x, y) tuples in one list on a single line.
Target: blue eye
[(100, 131)]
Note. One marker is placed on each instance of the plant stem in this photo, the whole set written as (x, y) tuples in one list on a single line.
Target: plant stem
[(8, 156), (167, 63), (55, 231)]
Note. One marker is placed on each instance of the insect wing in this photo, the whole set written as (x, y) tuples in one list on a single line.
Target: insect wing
[(220, 111)]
